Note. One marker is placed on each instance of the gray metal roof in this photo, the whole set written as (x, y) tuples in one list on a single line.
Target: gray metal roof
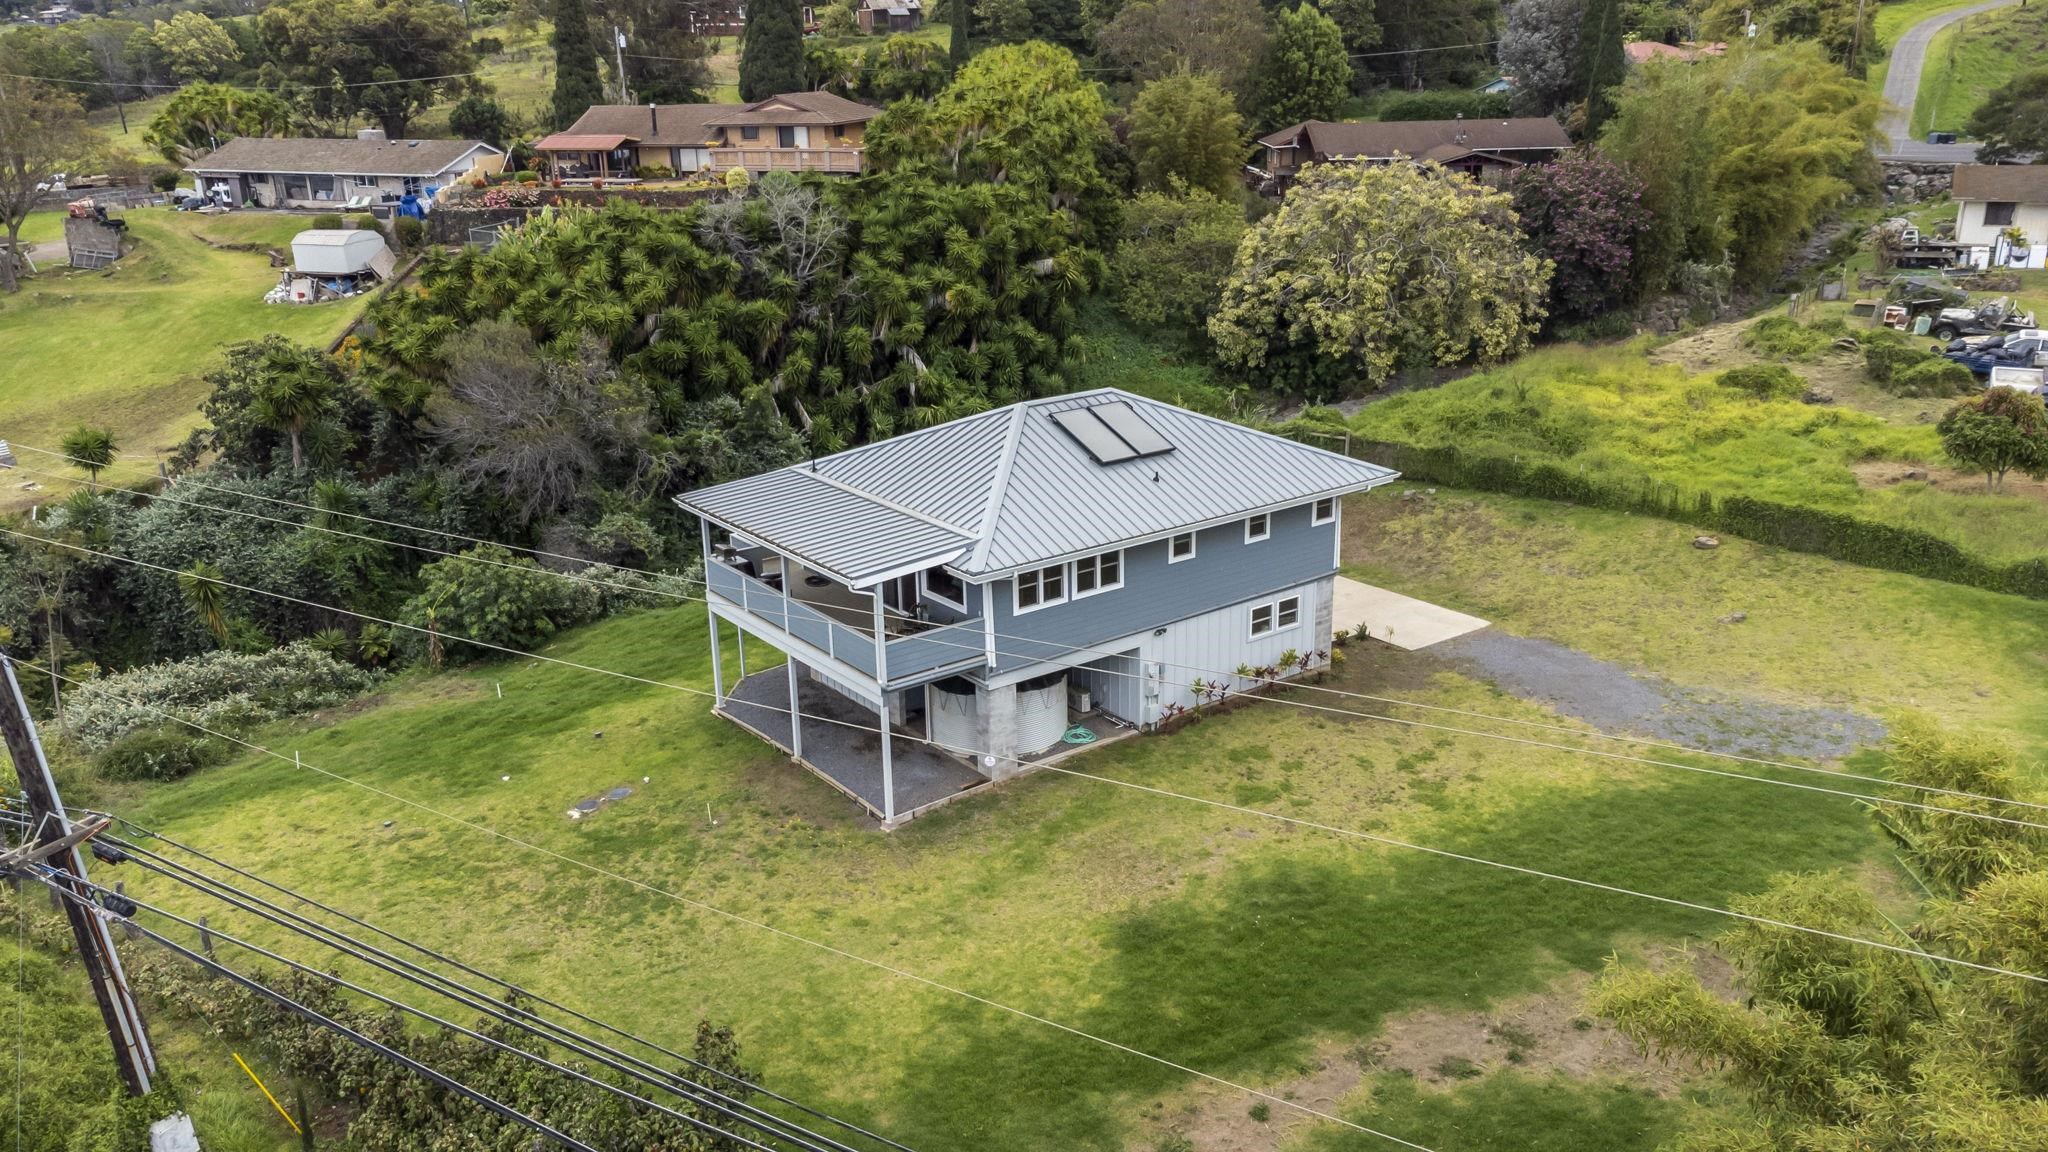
[(1009, 488)]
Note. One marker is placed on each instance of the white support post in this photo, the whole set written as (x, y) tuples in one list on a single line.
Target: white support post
[(882, 712), (740, 638), (717, 672), (796, 712)]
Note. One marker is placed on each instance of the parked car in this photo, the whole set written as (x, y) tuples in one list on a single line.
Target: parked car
[(1997, 352)]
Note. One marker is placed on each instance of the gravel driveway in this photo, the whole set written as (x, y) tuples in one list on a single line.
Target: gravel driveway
[(1610, 697)]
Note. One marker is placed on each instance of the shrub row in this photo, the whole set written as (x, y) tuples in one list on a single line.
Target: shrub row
[(1836, 535)]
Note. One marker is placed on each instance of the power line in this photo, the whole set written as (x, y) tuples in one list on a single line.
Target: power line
[(1067, 648), (1080, 649), (175, 87), (298, 761), (517, 990), (772, 930), (290, 1005)]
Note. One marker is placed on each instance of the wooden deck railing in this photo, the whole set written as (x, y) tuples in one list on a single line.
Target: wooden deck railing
[(765, 159)]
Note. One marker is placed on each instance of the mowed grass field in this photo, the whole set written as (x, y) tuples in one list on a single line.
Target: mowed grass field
[(126, 347), (1221, 940)]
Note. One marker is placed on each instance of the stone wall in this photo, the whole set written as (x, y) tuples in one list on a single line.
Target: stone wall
[(1907, 183)]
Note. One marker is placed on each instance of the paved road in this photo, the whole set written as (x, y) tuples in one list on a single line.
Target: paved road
[(1902, 86)]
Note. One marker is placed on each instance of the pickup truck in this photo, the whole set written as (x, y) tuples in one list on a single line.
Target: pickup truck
[(1981, 358)]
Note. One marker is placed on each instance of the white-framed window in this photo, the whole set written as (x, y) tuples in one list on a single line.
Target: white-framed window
[(1181, 547), (944, 587), (1099, 573), (1325, 510), (1258, 527), (1277, 616), (364, 181), (1041, 588)]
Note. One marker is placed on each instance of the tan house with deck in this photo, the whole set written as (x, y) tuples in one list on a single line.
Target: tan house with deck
[(794, 132)]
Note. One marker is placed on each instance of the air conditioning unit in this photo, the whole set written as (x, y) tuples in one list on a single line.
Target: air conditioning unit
[(1078, 698)]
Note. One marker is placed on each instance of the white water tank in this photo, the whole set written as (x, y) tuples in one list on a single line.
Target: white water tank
[(954, 716), (1041, 713)]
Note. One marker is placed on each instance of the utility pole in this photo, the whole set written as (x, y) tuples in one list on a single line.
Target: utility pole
[(49, 826), (619, 52)]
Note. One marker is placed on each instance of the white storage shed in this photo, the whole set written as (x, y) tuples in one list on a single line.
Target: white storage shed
[(335, 251)]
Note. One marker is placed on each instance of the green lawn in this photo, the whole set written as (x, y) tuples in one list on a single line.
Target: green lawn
[(1968, 60), (1211, 938), (129, 143), (125, 347)]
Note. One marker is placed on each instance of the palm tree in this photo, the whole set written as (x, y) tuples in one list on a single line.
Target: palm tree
[(206, 596), (89, 448), (295, 388)]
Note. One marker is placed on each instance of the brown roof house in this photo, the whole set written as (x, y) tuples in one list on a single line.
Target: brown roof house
[(794, 132), (328, 173), (2003, 207), (1486, 150)]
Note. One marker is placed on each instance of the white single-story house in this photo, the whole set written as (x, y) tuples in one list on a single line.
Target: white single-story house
[(298, 172), (1992, 200)]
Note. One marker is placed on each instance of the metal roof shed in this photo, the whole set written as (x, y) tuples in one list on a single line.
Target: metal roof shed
[(335, 251)]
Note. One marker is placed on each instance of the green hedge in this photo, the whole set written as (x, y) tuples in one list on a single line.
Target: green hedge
[(1836, 535)]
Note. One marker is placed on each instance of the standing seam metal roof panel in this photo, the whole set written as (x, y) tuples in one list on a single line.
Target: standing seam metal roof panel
[(966, 484)]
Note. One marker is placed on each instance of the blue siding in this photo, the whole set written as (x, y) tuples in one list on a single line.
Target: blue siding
[(1225, 570)]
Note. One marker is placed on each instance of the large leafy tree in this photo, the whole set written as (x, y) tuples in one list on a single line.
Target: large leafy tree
[(42, 132), (194, 47), (1845, 29), (1304, 74), (576, 84), (1540, 50), (1185, 128), (1602, 64), (772, 49), (2013, 121), (479, 117), (1838, 1045), (202, 117), (2005, 430), (668, 64), (1019, 114), (1583, 213), (1160, 38), (1173, 254), (383, 60), (1366, 269), (1739, 156), (1434, 42)]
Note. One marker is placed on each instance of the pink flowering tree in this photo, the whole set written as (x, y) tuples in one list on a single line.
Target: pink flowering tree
[(1585, 213)]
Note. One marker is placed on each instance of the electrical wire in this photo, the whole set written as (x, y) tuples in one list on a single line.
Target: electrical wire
[(775, 1127), (175, 87), (773, 930), (1090, 650), (515, 989), (290, 1005)]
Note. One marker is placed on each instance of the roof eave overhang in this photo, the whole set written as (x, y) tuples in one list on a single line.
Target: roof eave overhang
[(1292, 501), (855, 580)]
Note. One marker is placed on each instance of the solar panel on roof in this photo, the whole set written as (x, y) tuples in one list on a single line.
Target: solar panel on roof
[(1091, 433), (1124, 420)]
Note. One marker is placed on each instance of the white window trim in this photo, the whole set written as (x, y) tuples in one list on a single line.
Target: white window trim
[(1194, 545), (1315, 518), (1017, 588), (1249, 538), (1273, 606), (925, 589), (1074, 574)]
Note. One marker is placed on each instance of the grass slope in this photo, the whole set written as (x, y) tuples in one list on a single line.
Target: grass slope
[(1969, 59), (1209, 937), (125, 348)]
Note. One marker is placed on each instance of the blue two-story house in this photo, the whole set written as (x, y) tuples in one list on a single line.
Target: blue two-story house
[(990, 583)]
